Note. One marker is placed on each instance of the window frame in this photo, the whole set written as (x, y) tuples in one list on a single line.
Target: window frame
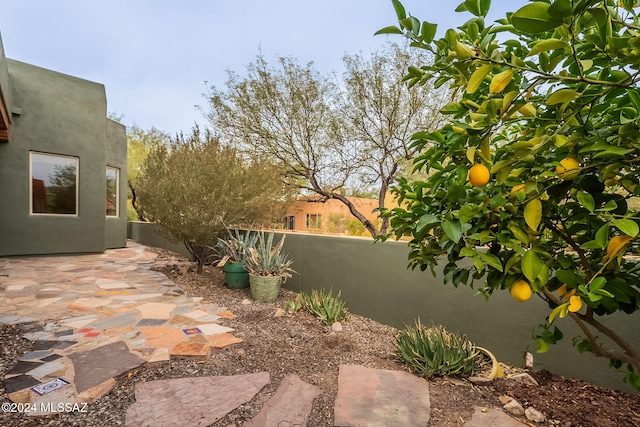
[(117, 195), (317, 221), (77, 181)]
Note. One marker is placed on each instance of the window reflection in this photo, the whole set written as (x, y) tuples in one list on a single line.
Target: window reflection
[(54, 188), (112, 191)]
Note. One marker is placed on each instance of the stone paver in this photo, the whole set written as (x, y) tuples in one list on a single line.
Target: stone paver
[(491, 418), (192, 401), (380, 397), (91, 369), (289, 406)]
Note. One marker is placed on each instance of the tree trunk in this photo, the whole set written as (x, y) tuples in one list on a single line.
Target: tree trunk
[(367, 224), (134, 202)]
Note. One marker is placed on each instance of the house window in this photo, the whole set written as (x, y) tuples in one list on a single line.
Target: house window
[(291, 222), (113, 176), (314, 221), (54, 184)]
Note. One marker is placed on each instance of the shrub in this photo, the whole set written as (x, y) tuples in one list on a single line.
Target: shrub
[(434, 351), (326, 306)]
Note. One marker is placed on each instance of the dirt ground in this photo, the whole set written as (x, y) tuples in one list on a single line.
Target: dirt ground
[(298, 343)]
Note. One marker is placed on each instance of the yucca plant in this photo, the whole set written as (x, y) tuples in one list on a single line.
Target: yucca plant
[(265, 259), (293, 304), (326, 306), (234, 247), (433, 351)]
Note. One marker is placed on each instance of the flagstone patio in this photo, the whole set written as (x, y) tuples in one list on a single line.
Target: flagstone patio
[(99, 316)]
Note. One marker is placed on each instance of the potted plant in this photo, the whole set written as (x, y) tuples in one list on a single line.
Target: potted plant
[(232, 252), (269, 267)]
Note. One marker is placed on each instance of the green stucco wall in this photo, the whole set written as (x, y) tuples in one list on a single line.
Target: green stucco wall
[(5, 87), (147, 234), (116, 157), (65, 115), (375, 283)]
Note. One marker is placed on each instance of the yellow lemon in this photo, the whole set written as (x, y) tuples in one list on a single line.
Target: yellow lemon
[(521, 291), (575, 303), (569, 169), (479, 175)]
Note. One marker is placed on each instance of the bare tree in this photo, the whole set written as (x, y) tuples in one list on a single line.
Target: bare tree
[(328, 134), (382, 113)]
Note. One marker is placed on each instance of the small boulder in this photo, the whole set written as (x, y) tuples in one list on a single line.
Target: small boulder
[(534, 415), (528, 360), (246, 302), (336, 327), (525, 379), (279, 312), (514, 408), (504, 399)]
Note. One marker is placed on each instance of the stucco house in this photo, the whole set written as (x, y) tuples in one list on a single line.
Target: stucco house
[(313, 214), (63, 164)]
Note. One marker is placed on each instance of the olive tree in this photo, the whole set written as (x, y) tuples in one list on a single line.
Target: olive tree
[(328, 135), (549, 110), (196, 186)]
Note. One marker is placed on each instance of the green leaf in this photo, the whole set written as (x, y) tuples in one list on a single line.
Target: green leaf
[(535, 18), (500, 81), (562, 96), (477, 7), (597, 283), (568, 277), (425, 220), (388, 30), (400, 12), (627, 226), (557, 311), (541, 346), (467, 212), (531, 265), (546, 45), (533, 214), (519, 233), (586, 200), (602, 236), (453, 229), (491, 260), (428, 31), (478, 77)]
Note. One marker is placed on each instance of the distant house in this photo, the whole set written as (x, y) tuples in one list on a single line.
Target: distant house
[(312, 214), (63, 164)]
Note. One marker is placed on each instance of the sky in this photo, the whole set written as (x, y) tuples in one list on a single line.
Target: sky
[(157, 58)]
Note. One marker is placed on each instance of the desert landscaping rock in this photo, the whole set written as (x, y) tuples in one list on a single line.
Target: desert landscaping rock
[(483, 417), (289, 406), (525, 378), (514, 408), (96, 366), (534, 415), (380, 397), (192, 401)]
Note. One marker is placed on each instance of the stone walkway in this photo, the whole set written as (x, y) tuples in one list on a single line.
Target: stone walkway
[(103, 315)]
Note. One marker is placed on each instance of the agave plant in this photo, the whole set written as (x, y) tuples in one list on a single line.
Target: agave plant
[(435, 351), (235, 247), (265, 259), (326, 306)]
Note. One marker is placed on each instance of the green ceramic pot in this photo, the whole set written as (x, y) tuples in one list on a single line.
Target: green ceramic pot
[(235, 275), (265, 288)]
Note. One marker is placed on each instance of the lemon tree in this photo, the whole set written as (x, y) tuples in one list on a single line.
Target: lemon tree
[(547, 97)]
